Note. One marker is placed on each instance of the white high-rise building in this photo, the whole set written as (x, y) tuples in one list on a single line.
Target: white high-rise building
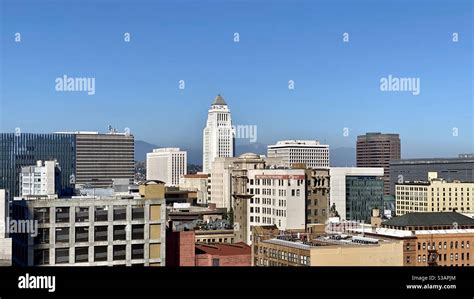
[(310, 152), (278, 198), (166, 165), (39, 179), (221, 186), (218, 135)]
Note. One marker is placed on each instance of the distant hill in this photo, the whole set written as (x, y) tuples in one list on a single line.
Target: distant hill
[(340, 157), (141, 148), (343, 157)]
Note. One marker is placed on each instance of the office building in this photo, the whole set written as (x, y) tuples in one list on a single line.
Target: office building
[(25, 149), (282, 249), (317, 195), (199, 183), (93, 231), (363, 194), (377, 150), (450, 169), (218, 135), (310, 152), (40, 179), (220, 182), (166, 165), (183, 250), (429, 239), (434, 195), (355, 191), (100, 158), (274, 196)]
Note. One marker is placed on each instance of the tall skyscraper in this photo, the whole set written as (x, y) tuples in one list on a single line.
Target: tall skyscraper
[(100, 158), (166, 165), (85, 158), (377, 150), (309, 152), (19, 150), (218, 135)]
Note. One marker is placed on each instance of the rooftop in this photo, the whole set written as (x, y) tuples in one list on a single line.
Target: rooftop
[(196, 176), (223, 249), (432, 161), (298, 143), (430, 219), (323, 241)]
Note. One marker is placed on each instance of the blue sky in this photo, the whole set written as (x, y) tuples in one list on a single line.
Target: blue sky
[(336, 83)]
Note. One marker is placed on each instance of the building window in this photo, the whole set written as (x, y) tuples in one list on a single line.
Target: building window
[(119, 233), (100, 253), (82, 214), (82, 234), (137, 251), (62, 255), (82, 254), (215, 262), (62, 215), (100, 233), (41, 257), (119, 252), (41, 215), (62, 235), (120, 213), (42, 237), (100, 214), (138, 231), (138, 213)]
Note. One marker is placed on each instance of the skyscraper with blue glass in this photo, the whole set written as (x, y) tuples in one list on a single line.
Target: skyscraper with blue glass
[(24, 149)]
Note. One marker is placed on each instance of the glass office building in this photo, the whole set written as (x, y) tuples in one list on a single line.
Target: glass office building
[(18, 150), (363, 193)]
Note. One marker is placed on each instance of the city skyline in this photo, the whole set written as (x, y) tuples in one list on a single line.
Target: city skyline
[(336, 83)]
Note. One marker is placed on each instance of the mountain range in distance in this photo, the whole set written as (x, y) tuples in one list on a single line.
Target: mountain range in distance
[(340, 157)]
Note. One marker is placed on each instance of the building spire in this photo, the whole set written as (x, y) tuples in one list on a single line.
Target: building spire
[(219, 100)]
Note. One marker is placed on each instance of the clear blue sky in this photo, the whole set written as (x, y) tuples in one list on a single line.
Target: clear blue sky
[(336, 83)]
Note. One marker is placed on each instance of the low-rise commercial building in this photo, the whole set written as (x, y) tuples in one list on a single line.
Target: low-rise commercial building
[(273, 248), (184, 250), (93, 231), (429, 239)]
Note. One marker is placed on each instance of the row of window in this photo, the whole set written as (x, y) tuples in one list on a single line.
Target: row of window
[(268, 201), (81, 234), (42, 215), (453, 244), (81, 254), (284, 256), (443, 257)]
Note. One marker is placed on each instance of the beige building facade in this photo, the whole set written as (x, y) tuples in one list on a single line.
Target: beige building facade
[(435, 195)]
